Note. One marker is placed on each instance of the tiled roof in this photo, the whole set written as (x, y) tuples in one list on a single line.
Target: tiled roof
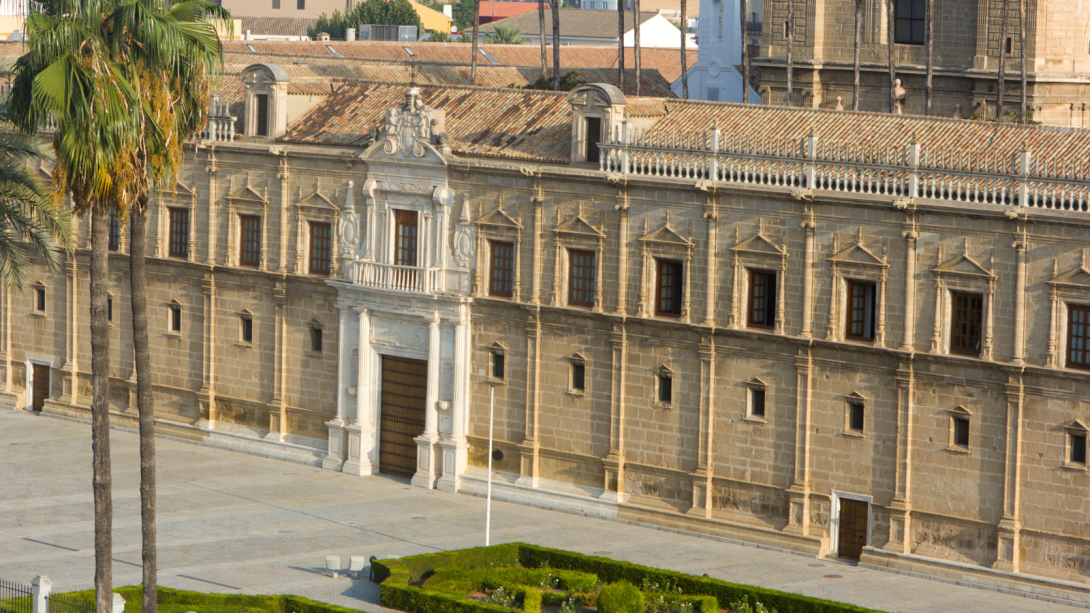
[(497, 123), (666, 61), (276, 26), (431, 74), (581, 23), (502, 10)]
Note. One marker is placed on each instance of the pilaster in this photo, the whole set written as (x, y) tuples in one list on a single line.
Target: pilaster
[(528, 449), (278, 430), (535, 281), (213, 219), (70, 369), (622, 253), (705, 464), (282, 214), (900, 509), (1010, 527), (808, 226), (798, 494), (207, 394), (910, 235), (426, 464), (711, 214), (361, 433), (1020, 301), (335, 457), (613, 464), (456, 449)]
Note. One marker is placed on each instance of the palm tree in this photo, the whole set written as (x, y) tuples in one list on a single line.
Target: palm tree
[(69, 77), (929, 15), (636, 35), (855, 59), (541, 30), (892, 64), (620, 45), (745, 52), (790, 38), (556, 45), (1002, 73), (684, 58), (1022, 52), (27, 211), (504, 35), (476, 30)]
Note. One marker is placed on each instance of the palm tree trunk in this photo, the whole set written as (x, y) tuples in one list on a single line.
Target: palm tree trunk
[(930, 16), (1022, 52), (556, 45), (541, 31), (620, 45), (476, 31), (790, 39), (1001, 80), (892, 58), (684, 57), (745, 52), (636, 32), (100, 410), (144, 400), (855, 59)]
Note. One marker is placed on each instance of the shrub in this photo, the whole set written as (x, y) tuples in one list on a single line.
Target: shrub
[(620, 597), (707, 604), (531, 600)]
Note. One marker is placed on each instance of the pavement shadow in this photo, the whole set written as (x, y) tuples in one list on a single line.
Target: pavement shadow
[(364, 590)]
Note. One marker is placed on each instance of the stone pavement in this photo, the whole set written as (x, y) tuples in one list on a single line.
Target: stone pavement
[(230, 522)]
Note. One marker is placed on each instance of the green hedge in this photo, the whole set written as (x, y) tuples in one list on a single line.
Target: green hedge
[(231, 603), (612, 571), (621, 597)]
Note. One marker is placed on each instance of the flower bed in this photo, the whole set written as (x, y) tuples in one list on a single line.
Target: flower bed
[(532, 579)]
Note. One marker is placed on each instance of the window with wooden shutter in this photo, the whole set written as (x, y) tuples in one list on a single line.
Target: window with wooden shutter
[(861, 310), (321, 242), (115, 230), (502, 270), (594, 136), (581, 278), (179, 233), (406, 238), (762, 299), (668, 288), (262, 126), (967, 321), (1078, 337), (249, 240)]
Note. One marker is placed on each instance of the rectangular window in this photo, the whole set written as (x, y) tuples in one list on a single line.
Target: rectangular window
[(321, 240), (39, 299), (179, 233), (968, 316), (581, 278), (961, 431), (276, 4), (713, 94), (594, 136), (1078, 337), (1076, 444), (115, 230), (249, 240), (109, 308), (666, 389), (861, 303), (498, 366), (668, 294), (502, 277), (316, 340), (406, 235), (855, 416), (175, 318), (578, 377), (301, 5), (261, 125), (909, 22), (762, 299), (756, 402), (246, 329)]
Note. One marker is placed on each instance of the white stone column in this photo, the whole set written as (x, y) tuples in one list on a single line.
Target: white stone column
[(455, 449), (334, 459), (361, 434), (40, 587), (425, 451)]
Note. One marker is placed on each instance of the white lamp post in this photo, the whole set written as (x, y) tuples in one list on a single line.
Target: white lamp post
[(488, 500)]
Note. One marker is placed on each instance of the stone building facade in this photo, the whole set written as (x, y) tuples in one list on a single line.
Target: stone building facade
[(966, 51), (719, 318)]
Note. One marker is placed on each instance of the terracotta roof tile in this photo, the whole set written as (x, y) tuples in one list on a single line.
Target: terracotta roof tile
[(582, 23), (276, 26)]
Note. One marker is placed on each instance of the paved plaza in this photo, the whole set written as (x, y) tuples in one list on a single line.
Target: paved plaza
[(236, 523)]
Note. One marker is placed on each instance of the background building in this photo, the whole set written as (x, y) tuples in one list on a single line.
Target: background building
[(717, 75), (586, 27)]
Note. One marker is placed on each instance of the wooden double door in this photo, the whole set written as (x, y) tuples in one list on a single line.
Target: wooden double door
[(854, 515), (401, 417), (40, 389)]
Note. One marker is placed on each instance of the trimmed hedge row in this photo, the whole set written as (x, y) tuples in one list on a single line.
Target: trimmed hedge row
[(401, 580), (134, 595)]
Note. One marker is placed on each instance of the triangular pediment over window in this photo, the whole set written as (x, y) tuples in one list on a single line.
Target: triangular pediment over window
[(578, 225), (666, 236), (500, 219), (855, 397), (318, 199), (758, 243), (181, 190), (246, 193), (1076, 425), (1080, 277), (963, 264), (858, 254)]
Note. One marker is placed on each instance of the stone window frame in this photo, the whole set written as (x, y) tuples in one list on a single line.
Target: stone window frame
[(494, 350), (666, 244), (181, 197), (244, 315), (664, 372), (1065, 290), (959, 413), (576, 359), (962, 274), (41, 297), (174, 305), (758, 253), (854, 399), (247, 201), (856, 263), (319, 208), (576, 234), (756, 384), (109, 308), (1073, 429), (312, 326), (497, 226)]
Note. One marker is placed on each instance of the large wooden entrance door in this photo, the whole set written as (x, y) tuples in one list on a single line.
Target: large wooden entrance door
[(404, 383), (41, 386), (853, 528)]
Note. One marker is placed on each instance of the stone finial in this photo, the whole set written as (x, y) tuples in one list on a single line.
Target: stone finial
[(957, 112), (839, 103), (898, 97)]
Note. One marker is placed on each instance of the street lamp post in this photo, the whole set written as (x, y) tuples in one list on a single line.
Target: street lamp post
[(488, 500)]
